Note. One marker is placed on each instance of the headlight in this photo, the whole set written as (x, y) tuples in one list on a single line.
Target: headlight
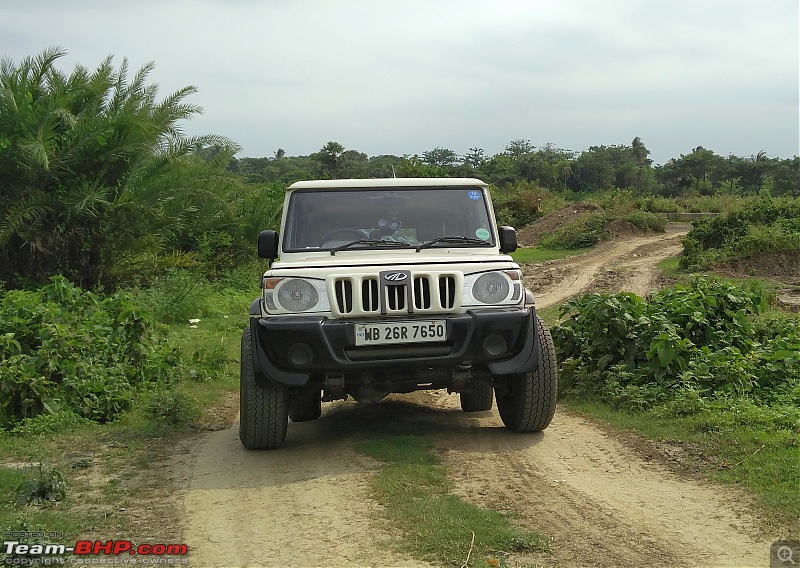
[(491, 288), (295, 295)]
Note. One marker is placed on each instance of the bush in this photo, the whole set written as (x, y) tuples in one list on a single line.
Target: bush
[(583, 232), (588, 230), (765, 226), (64, 348), (47, 485), (169, 407), (522, 204), (682, 346), (45, 424)]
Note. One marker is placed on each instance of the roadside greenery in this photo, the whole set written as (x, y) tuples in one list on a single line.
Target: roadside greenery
[(588, 230), (98, 183), (764, 226), (706, 353), (64, 349)]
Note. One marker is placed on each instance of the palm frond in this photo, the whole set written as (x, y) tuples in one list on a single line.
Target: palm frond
[(21, 214)]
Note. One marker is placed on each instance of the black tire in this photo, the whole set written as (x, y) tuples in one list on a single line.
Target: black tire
[(477, 396), (306, 406), (263, 410), (530, 401)]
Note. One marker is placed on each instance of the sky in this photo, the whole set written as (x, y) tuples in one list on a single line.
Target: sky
[(405, 77)]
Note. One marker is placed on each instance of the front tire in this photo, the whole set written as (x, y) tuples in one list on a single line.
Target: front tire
[(529, 403), (263, 410)]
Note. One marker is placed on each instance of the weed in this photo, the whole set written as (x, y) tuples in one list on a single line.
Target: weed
[(169, 407), (47, 485)]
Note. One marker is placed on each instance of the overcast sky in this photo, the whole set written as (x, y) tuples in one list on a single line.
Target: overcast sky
[(402, 77)]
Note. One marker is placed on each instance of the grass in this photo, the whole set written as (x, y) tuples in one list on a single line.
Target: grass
[(537, 254), (725, 447), (435, 525), (669, 267), (549, 315), (85, 508)]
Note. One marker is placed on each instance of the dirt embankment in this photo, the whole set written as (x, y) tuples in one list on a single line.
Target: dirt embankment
[(601, 502)]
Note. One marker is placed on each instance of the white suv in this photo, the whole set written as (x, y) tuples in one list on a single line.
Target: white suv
[(391, 286)]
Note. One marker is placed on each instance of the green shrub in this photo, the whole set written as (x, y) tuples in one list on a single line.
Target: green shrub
[(46, 423), (682, 346), (523, 203), (64, 348), (764, 226), (46, 485), (177, 297), (169, 407), (583, 232), (647, 221)]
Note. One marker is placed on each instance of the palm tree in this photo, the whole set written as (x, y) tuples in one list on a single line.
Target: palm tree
[(87, 168), (331, 154)]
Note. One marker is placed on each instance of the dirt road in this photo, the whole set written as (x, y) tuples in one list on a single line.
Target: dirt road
[(598, 499)]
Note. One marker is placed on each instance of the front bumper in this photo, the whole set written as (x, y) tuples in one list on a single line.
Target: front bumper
[(333, 351)]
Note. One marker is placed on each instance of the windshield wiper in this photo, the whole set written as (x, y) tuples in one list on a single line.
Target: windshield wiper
[(458, 239), (370, 242)]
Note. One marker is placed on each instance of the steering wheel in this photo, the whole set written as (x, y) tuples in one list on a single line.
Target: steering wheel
[(327, 236)]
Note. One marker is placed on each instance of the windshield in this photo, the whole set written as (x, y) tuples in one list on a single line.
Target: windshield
[(324, 220)]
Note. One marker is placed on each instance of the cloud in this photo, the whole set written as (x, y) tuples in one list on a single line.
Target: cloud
[(406, 76)]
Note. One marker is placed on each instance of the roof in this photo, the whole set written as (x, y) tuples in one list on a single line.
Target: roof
[(387, 182)]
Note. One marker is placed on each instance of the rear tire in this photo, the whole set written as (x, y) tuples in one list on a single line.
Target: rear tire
[(478, 396), (530, 401), (263, 410), (306, 406)]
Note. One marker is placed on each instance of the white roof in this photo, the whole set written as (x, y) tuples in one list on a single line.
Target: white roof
[(387, 182)]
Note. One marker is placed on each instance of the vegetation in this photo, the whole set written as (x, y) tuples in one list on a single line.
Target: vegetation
[(436, 525), (540, 254), (765, 226), (593, 228), (68, 350), (521, 164), (705, 353), (98, 183)]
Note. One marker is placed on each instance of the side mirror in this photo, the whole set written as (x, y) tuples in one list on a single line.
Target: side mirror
[(268, 245), (508, 239)]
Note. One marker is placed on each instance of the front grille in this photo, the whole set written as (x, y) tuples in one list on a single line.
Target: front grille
[(357, 295)]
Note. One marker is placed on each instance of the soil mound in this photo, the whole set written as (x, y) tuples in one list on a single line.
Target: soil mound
[(530, 235), (780, 265)]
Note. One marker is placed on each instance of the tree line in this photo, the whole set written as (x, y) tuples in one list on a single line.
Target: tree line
[(701, 172)]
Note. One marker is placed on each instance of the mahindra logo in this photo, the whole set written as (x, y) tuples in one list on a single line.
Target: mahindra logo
[(395, 276)]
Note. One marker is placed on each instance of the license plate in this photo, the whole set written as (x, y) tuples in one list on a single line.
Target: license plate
[(400, 332)]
